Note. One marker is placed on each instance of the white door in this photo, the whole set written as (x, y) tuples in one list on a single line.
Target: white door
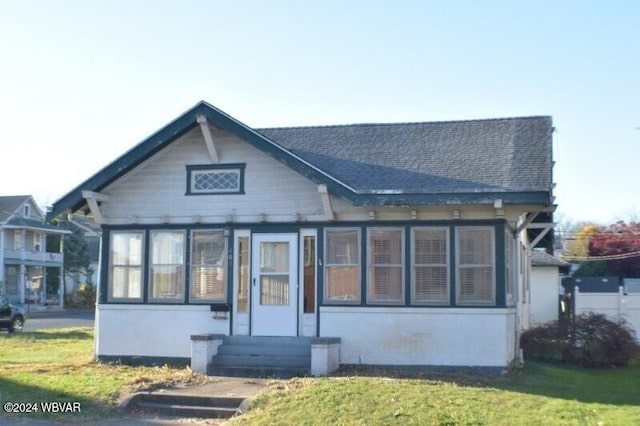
[(274, 285)]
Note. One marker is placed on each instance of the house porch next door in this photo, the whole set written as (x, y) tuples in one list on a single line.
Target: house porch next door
[(274, 285)]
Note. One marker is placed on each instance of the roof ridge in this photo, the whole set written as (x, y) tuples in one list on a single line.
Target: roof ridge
[(406, 123)]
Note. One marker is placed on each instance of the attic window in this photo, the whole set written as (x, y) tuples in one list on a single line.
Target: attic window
[(26, 211), (215, 179)]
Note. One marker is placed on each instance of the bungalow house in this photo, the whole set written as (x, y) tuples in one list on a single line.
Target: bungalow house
[(406, 241), (27, 262)]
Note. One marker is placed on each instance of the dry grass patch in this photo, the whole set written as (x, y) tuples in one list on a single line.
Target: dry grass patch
[(57, 365)]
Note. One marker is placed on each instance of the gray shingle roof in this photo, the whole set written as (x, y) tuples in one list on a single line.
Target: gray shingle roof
[(406, 164), (495, 155), (9, 205), (542, 258)]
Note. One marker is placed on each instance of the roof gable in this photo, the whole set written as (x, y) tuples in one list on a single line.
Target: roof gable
[(10, 206), (381, 164), (73, 200)]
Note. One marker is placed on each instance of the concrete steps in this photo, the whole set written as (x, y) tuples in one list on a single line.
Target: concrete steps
[(185, 405), (252, 356)]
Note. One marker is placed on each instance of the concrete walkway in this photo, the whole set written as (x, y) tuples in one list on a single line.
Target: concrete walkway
[(218, 387)]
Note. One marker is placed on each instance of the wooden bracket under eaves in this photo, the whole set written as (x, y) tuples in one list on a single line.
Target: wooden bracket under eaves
[(92, 199), (208, 138), (326, 202)]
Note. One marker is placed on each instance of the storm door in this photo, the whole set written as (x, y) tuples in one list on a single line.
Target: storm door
[(274, 285)]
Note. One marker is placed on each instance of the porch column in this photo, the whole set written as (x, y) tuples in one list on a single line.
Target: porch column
[(43, 290), (3, 285), (21, 283), (61, 287)]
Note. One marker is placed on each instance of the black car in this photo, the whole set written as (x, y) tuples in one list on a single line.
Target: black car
[(11, 317)]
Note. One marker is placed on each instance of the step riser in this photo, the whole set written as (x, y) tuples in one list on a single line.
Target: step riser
[(255, 356), (262, 372), (187, 411), (190, 400), (268, 341), (262, 361), (253, 350)]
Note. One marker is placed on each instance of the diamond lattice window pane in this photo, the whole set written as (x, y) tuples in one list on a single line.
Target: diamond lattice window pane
[(218, 181)]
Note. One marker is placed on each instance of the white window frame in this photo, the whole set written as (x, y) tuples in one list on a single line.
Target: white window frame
[(37, 242), (19, 238), (414, 265), (371, 266), (224, 266), (150, 280), (325, 296), (459, 266), (510, 268), (141, 266)]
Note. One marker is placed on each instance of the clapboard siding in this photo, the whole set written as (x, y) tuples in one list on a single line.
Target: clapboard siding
[(155, 190)]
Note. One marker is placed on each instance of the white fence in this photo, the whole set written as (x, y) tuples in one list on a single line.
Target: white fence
[(614, 305)]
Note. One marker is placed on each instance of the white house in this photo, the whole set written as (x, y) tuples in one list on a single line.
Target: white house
[(546, 287), (407, 241), (25, 258)]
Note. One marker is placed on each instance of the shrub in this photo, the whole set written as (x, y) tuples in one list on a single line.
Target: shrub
[(591, 340), (83, 298), (599, 342), (549, 341)]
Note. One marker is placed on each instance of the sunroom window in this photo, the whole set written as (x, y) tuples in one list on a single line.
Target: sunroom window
[(166, 269), (475, 266), (342, 266), (125, 266), (208, 266), (430, 265), (386, 266)]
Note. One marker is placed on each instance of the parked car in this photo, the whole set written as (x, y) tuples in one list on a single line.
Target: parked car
[(11, 317)]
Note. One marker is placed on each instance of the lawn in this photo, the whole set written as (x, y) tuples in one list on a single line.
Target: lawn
[(549, 394), (57, 365)]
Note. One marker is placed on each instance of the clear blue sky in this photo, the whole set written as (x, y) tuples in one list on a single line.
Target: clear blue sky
[(81, 82)]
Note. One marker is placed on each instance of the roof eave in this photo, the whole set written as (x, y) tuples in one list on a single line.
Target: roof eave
[(414, 199)]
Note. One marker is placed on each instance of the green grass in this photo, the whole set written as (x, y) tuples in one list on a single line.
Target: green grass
[(57, 365), (540, 394)]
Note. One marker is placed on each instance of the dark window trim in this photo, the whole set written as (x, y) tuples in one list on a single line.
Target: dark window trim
[(239, 167)]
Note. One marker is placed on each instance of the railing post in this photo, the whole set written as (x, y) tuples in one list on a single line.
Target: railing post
[(621, 310)]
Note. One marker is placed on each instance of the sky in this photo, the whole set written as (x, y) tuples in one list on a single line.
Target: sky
[(82, 82)]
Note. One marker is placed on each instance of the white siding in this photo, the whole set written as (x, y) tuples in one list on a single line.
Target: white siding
[(155, 191), (153, 330), (415, 336), (544, 294)]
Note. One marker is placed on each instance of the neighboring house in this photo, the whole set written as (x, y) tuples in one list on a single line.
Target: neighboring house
[(406, 241), (545, 286), (92, 234), (25, 259)]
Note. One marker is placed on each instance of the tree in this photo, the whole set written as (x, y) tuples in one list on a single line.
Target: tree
[(619, 239), (77, 259), (577, 239)]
